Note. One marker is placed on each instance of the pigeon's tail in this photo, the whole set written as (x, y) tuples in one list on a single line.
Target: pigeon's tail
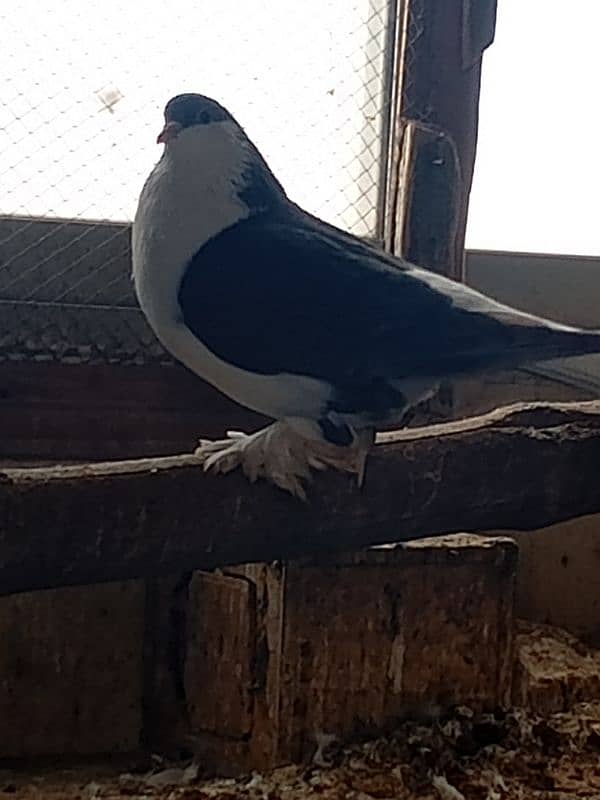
[(548, 344), (568, 344), (524, 345)]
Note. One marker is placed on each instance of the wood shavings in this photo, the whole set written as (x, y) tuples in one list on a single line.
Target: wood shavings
[(445, 790), (323, 740), (523, 754), (514, 756)]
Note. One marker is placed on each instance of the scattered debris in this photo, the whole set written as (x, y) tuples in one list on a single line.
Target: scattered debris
[(109, 96), (324, 741), (546, 749), (517, 755), (445, 790), (171, 776), (553, 669)]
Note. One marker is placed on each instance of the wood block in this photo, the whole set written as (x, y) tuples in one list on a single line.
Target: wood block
[(345, 646), (221, 642), (250, 667), (71, 670)]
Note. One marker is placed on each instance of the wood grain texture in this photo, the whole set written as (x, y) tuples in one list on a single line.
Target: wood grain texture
[(345, 646), (51, 411), (395, 632), (524, 467), (440, 82), (71, 671)]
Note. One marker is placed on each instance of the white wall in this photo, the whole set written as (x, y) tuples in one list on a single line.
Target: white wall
[(537, 169)]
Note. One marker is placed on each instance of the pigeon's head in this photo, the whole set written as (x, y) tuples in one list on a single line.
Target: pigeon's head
[(189, 111), (206, 147)]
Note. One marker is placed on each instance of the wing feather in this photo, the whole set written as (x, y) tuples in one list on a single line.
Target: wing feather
[(287, 297)]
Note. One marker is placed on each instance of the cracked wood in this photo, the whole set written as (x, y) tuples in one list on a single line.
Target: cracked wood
[(522, 467)]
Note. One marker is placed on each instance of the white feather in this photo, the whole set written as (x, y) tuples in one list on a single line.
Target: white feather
[(190, 197), (284, 453)]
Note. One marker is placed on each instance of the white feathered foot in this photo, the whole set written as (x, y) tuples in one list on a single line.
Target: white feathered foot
[(285, 453)]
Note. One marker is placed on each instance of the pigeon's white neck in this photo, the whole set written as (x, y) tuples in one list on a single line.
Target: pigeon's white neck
[(209, 153), (191, 196)]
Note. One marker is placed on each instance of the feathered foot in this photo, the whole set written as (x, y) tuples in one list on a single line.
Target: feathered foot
[(285, 453)]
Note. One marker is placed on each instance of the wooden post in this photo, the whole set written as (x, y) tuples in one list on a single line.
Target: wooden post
[(435, 131)]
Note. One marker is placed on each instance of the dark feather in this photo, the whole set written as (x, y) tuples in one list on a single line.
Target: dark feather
[(274, 295)]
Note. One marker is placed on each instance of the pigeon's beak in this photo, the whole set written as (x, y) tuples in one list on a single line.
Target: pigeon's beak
[(170, 131)]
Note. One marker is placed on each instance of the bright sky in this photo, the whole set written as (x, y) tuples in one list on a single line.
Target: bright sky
[(304, 79), (538, 161)]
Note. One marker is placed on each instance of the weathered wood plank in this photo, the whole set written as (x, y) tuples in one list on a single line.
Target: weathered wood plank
[(346, 646), (101, 411), (523, 467), (95, 412), (71, 671), (440, 80)]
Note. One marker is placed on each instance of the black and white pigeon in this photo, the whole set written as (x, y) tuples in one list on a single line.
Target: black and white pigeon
[(292, 317)]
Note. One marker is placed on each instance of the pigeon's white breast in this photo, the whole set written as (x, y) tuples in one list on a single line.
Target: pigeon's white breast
[(189, 198)]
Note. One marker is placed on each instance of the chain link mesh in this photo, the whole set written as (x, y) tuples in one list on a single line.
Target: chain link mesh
[(84, 89), (415, 28)]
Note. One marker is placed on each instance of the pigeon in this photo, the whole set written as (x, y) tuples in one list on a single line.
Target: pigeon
[(321, 331)]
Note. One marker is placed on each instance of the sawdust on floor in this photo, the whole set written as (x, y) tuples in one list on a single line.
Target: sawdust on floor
[(546, 748), (515, 756)]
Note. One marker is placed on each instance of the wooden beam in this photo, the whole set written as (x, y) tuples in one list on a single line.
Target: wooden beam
[(435, 132), (83, 412), (524, 467)]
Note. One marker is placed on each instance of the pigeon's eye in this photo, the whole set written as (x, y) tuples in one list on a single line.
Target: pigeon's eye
[(204, 118)]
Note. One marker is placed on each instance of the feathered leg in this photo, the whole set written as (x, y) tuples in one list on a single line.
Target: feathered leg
[(285, 453)]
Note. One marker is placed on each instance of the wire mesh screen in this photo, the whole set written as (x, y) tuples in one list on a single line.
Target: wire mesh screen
[(414, 28), (84, 89)]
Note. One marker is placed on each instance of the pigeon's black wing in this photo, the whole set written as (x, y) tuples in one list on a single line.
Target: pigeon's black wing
[(304, 298)]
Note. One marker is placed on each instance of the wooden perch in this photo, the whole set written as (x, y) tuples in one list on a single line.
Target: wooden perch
[(523, 467)]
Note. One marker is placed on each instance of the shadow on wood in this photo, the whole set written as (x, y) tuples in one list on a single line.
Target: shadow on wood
[(521, 467)]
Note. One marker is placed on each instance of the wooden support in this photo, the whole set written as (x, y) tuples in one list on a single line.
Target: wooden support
[(522, 467), (246, 667), (345, 647), (94, 412), (435, 132)]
